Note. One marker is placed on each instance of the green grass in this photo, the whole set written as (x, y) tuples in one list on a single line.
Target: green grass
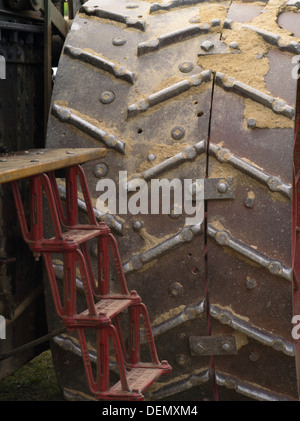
[(66, 9), (36, 381)]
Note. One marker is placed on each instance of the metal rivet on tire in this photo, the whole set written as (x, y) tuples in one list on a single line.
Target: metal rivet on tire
[(107, 97), (119, 41)]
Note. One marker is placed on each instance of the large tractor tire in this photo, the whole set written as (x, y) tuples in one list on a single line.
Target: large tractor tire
[(198, 90)]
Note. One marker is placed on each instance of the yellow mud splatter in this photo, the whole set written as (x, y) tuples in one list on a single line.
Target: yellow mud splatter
[(245, 67)]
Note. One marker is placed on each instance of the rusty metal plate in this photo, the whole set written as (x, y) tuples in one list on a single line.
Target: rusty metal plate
[(213, 345)]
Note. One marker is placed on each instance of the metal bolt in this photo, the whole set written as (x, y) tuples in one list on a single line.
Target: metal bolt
[(226, 346), (278, 105), (118, 41), (151, 157), (275, 267), (250, 283), (274, 183), (186, 67), (175, 289), (222, 238), (251, 123), (177, 133), (234, 45), (224, 319), (222, 187), (107, 97), (137, 225), (100, 170), (249, 202), (36, 256), (186, 234)]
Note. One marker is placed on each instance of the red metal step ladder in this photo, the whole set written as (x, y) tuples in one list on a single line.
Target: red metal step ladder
[(70, 240)]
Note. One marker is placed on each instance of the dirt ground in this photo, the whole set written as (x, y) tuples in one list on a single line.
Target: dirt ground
[(36, 381)]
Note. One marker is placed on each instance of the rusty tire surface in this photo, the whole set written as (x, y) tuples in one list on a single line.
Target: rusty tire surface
[(188, 90)]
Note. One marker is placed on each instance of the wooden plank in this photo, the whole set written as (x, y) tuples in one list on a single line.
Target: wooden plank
[(23, 164)]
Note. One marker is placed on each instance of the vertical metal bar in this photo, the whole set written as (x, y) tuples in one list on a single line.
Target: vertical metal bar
[(103, 359), (135, 334), (89, 267), (47, 61), (144, 312), (86, 195), (51, 203), (103, 260), (119, 357), (99, 266), (121, 339), (57, 198), (86, 360), (20, 210), (72, 196), (53, 284), (70, 9), (85, 282), (69, 284), (118, 264), (36, 208)]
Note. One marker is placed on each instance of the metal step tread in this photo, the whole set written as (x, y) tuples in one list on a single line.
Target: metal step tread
[(80, 236), (110, 307), (139, 379)]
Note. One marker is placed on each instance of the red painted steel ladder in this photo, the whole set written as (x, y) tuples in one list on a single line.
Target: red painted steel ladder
[(70, 240)]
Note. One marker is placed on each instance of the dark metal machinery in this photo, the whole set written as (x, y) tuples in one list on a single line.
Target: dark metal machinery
[(30, 45)]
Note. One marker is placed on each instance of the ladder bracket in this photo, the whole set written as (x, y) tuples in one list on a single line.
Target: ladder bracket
[(212, 345)]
